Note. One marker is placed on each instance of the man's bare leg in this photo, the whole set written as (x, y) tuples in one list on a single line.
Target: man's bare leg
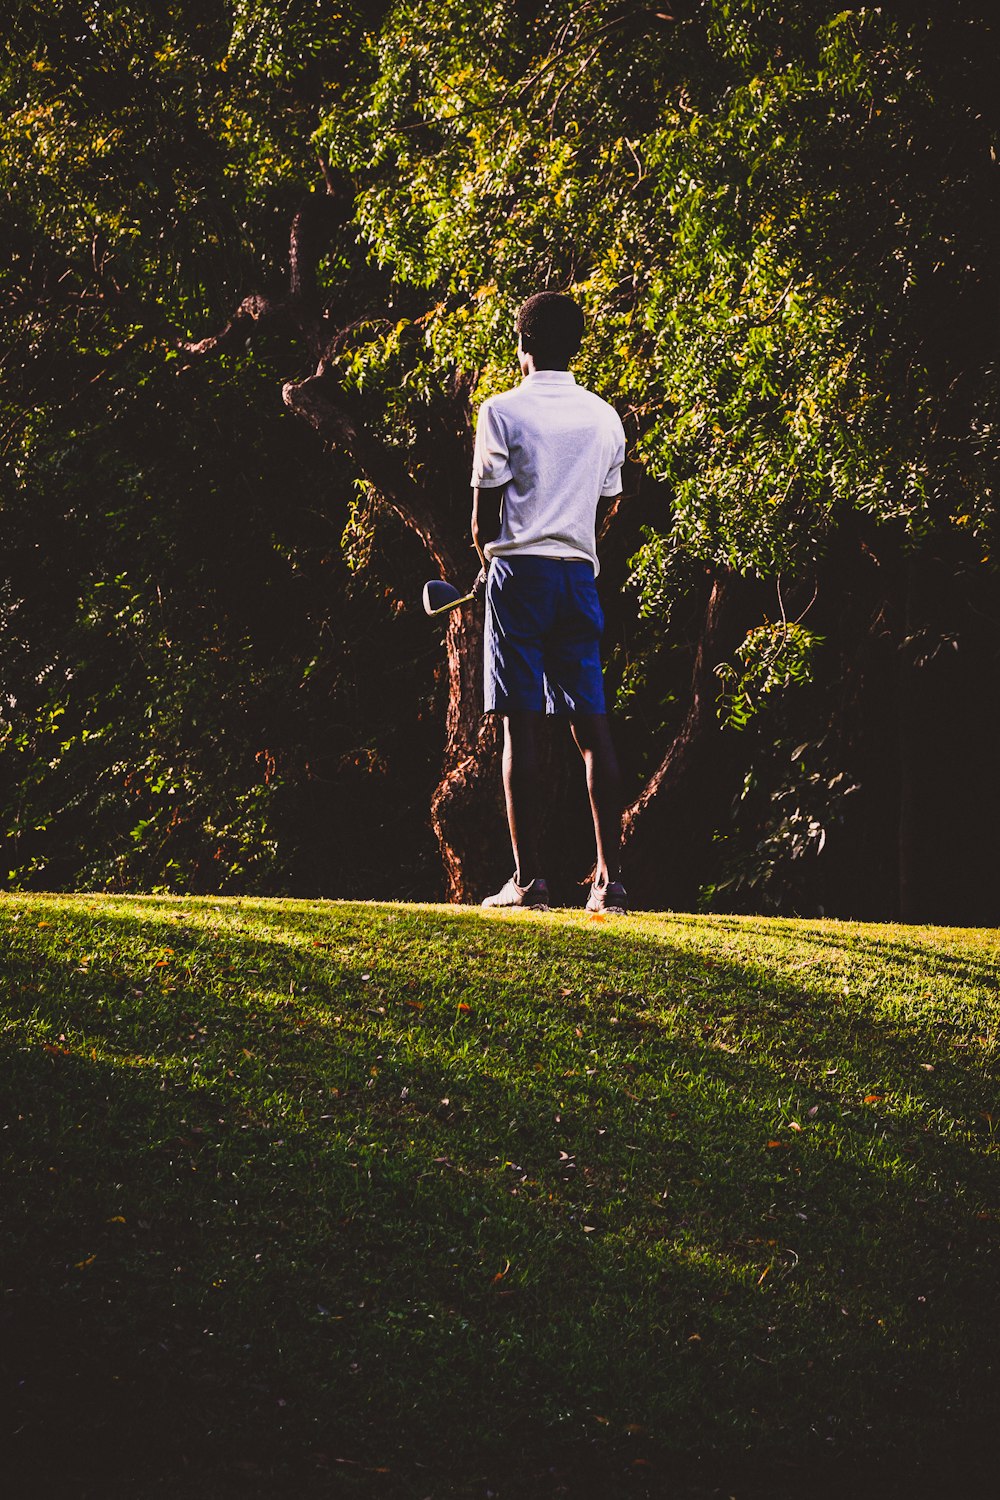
[(593, 739), (520, 786)]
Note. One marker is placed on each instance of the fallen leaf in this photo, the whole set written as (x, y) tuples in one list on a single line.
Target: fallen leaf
[(415, 1004), (82, 1264), (874, 1098), (465, 1009), (501, 1274), (772, 1144), (794, 1125), (596, 916)]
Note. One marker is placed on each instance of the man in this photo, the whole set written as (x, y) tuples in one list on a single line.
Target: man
[(546, 453)]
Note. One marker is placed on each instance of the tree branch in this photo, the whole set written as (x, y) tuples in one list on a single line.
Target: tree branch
[(308, 238), (253, 312), (319, 399), (327, 409), (691, 785)]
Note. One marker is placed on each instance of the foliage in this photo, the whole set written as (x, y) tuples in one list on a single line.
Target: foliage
[(787, 264), (177, 628), (317, 1190), (771, 220), (779, 226), (779, 221), (792, 800), (774, 656), (188, 699), (154, 145)]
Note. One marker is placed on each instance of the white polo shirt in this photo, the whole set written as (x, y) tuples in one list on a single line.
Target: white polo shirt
[(557, 448)]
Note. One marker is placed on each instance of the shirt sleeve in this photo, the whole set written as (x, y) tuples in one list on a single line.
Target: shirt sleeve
[(613, 482), (491, 460)]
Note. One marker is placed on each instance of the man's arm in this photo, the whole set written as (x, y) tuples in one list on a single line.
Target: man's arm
[(486, 509)]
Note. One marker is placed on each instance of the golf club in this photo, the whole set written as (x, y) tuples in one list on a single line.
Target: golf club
[(439, 597)]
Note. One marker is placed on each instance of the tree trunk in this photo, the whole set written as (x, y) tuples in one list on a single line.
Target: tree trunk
[(667, 830), (466, 808)]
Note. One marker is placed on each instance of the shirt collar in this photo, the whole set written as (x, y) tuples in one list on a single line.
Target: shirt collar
[(555, 377)]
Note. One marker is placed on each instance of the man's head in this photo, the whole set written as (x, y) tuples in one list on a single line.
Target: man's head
[(550, 328)]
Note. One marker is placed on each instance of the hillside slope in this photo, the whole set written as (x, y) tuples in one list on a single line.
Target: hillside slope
[(335, 1199)]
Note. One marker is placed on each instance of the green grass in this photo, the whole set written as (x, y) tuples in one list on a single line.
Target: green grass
[(343, 1199)]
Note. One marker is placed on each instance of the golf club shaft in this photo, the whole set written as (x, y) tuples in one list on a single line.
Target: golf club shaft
[(452, 604)]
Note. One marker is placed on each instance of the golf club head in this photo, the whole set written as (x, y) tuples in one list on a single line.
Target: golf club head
[(440, 597)]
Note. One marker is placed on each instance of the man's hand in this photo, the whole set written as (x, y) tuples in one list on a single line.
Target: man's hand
[(479, 587)]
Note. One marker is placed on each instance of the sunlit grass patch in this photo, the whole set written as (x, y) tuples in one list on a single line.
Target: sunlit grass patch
[(350, 1188)]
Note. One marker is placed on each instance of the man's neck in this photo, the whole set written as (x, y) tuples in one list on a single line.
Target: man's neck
[(531, 366)]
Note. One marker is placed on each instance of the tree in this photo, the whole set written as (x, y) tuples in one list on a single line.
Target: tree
[(186, 653), (782, 226)]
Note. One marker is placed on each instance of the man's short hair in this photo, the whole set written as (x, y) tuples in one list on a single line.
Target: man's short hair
[(551, 326)]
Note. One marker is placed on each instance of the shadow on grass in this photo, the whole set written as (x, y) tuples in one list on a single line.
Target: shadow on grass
[(296, 1222)]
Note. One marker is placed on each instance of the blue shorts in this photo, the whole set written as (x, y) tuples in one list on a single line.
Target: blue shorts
[(543, 633)]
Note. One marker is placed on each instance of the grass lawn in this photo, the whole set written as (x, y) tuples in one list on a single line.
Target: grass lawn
[(325, 1199)]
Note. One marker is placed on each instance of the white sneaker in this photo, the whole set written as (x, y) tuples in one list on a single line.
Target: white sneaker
[(535, 894), (611, 897)]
